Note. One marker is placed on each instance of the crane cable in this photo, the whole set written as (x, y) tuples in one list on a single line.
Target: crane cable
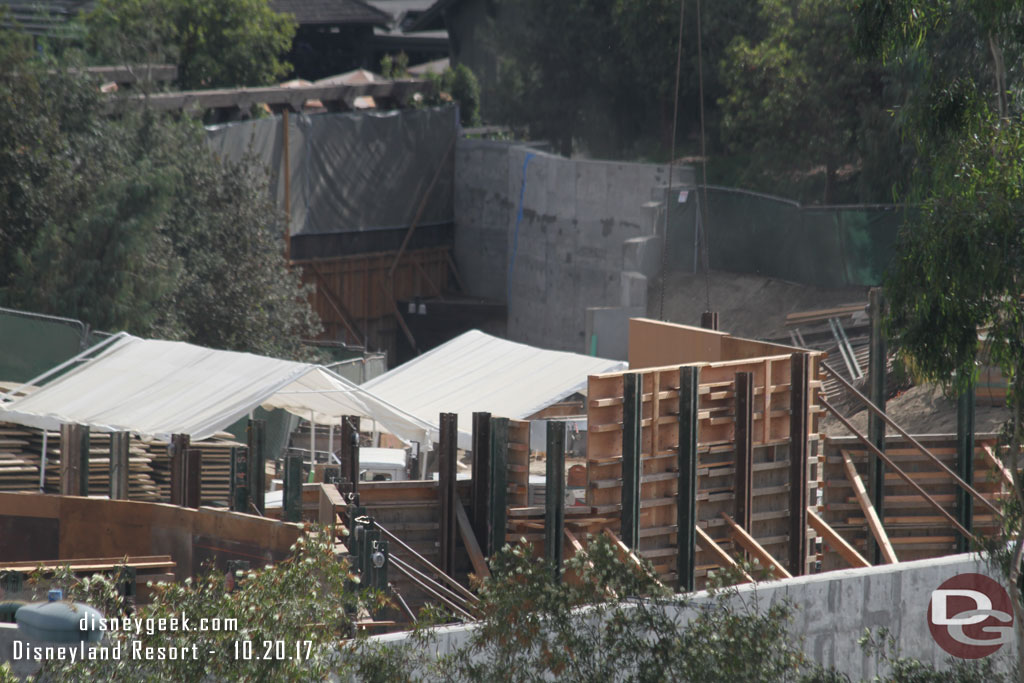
[(705, 259), (672, 158)]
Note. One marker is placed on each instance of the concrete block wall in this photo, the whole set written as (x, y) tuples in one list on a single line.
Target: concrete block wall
[(568, 252), (833, 609)]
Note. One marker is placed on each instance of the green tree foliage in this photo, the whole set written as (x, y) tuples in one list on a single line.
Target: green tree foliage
[(228, 43), (960, 265), (801, 98), (306, 602), (131, 223)]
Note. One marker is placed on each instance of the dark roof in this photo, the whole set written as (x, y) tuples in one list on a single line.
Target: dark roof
[(332, 12), (433, 18)]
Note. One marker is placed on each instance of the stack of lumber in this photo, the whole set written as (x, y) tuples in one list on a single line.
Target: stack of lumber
[(149, 467), (140, 481), (19, 466), (216, 468)]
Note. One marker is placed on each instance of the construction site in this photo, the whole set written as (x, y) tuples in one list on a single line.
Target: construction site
[(529, 349)]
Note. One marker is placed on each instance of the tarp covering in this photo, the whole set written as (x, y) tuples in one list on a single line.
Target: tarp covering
[(477, 372), (353, 172), (158, 388), (820, 246)]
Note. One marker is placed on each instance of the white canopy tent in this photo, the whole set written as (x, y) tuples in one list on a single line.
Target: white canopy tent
[(477, 372), (158, 388)]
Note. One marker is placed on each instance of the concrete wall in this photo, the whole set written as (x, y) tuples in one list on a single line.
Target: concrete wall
[(576, 245), (834, 608)]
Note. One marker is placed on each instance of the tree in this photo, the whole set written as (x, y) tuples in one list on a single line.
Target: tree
[(960, 265), (131, 223), (228, 43), (801, 98)]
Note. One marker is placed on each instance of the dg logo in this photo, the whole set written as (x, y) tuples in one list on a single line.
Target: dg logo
[(970, 616)]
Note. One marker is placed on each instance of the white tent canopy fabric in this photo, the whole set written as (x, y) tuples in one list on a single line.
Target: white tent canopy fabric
[(158, 388), (477, 372)]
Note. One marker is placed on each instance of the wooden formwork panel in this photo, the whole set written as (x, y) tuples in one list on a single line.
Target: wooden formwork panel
[(914, 527), (359, 286), (716, 452), (518, 463)]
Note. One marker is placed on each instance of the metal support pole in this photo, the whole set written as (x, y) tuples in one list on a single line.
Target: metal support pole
[(193, 478), (350, 450), (799, 403), (179, 453), (83, 460), (447, 457), (686, 502), (42, 464), (70, 460), (876, 426), (554, 497), (312, 439), (293, 488), (240, 479), (632, 407), (744, 437), (119, 444), (480, 502), (257, 474), (498, 514), (965, 464)]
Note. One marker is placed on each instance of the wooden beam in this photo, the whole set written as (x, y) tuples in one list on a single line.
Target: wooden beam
[(740, 535), (874, 523), (723, 557), (993, 460), (835, 541), (469, 541), (629, 557), (903, 475)]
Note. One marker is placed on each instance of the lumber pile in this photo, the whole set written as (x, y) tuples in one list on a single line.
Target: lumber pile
[(149, 474)]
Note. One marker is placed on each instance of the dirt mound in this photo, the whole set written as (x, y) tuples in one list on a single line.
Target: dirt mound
[(748, 305), (923, 410)]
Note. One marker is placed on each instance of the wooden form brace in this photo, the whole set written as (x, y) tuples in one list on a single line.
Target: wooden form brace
[(724, 559), (835, 541), (747, 542), (874, 523)]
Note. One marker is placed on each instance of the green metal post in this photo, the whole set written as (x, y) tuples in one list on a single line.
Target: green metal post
[(293, 488), (554, 496), (876, 426), (632, 393), (499, 484), (686, 502), (965, 464)]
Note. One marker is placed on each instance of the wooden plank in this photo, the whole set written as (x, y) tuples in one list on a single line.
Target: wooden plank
[(755, 549), (835, 541), (708, 544), (629, 557), (469, 541), (877, 530)]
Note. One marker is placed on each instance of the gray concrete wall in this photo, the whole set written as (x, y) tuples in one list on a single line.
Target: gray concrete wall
[(570, 250), (833, 610)]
